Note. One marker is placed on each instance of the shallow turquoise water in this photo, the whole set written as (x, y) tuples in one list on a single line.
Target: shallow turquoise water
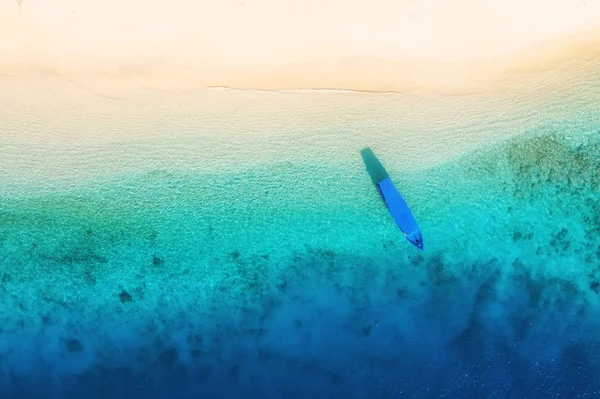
[(289, 278)]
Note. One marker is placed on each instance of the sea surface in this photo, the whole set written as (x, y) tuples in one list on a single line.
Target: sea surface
[(246, 265)]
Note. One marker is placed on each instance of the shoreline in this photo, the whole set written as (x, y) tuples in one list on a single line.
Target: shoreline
[(71, 137), (62, 113)]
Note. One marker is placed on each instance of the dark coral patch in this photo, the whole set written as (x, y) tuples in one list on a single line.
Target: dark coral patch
[(194, 339), (560, 240), (156, 261), (282, 286), (417, 260), (517, 235), (125, 296), (74, 345), (549, 160), (168, 357), (595, 286)]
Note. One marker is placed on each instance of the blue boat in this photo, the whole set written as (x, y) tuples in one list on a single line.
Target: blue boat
[(392, 198)]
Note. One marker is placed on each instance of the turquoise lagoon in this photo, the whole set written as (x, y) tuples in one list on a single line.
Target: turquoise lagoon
[(199, 255)]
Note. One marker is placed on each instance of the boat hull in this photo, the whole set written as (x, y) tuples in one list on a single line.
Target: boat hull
[(396, 205)]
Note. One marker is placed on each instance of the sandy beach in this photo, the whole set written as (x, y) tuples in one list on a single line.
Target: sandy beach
[(450, 47), (433, 79)]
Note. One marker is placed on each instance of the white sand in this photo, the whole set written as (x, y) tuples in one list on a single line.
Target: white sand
[(378, 45), (112, 87)]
